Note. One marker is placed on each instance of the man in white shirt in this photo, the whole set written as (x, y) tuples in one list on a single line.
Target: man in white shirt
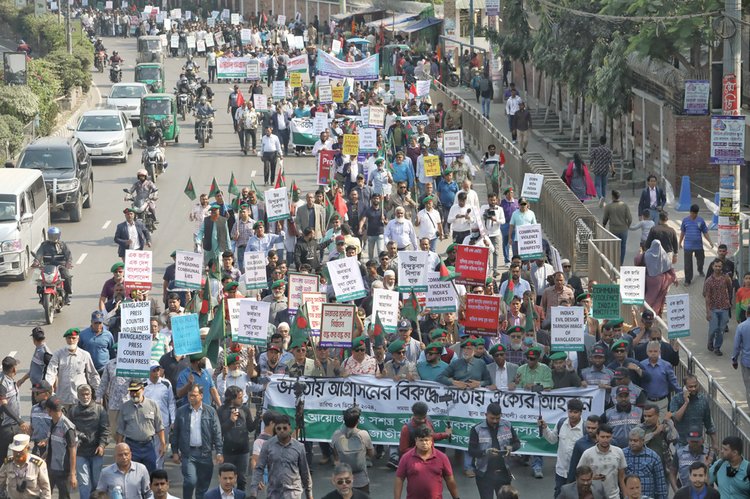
[(401, 231), (565, 435), (538, 273), (429, 223), (270, 151), (460, 218), (324, 143), (607, 461), (511, 108), (422, 179), (493, 218), (472, 198)]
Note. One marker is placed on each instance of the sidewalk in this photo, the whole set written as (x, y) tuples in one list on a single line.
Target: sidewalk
[(719, 367)]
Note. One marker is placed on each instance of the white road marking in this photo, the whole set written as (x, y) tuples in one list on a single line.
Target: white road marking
[(106, 224), (252, 174), (81, 258)]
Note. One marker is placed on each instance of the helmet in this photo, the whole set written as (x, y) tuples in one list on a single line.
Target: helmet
[(53, 234), (141, 172), (152, 125), (190, 57), (203, 99), (204, 83), (183, 79), (114, 52)]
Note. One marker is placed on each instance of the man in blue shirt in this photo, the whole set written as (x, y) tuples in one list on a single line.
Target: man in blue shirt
[(197, 374), (98, 341), (741, 354), (447, 190), (431, 368), (658, 379), (403, 170), (692, 232)]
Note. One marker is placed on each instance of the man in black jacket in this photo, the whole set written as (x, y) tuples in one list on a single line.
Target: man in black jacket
[(236, 424), (92, 426), (123, 237), (652, 198), (306, 250)]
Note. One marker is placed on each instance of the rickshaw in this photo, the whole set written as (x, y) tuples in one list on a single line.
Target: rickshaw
[(150, 49), (162, 110), (152, 74)]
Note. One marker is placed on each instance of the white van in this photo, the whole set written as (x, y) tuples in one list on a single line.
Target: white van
[(24, 219)]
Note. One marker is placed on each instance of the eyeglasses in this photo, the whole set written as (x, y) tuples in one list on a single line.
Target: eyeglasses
[(432, 353), (500, 354), (523, 204), (359, 349), (343, 481)]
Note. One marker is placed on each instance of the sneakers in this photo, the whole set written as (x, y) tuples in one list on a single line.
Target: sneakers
[(538, 474), (718, 352), (601, 203)]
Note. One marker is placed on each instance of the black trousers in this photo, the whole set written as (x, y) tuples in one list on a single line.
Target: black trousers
[(6, 437), (60, 479), (700, 258), (490, 484), (269, 166)]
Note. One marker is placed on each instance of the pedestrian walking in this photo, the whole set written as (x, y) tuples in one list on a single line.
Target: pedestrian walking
[(92, 427), (353, 447), (512, 105), (137, 423), (24, 475), (424, 468), (236, 425), (342, 478), (617, 215), (601, 167), (652, 198), (578, 178), (486, 92), (692, 232), (568, 431), (490, 443), (717, 291), (523, 126), (606, 460), (61, 450), (126, 477), (69, 367)]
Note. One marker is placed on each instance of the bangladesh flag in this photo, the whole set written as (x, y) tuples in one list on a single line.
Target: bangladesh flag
[(215, 336), (508, 296), (258, 192), (233, 188), (190, 189), (378, 332), (300, 330), (447, 273), (295, 192), (410, 310), (530, 315), (280, 180), (214, 188)]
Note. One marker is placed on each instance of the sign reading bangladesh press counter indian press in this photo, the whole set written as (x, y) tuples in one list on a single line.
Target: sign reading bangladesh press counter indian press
[(385, 408), (134, 340)]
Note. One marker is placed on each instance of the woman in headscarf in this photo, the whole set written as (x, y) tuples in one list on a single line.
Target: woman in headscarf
[(578, 179), (660, 275)]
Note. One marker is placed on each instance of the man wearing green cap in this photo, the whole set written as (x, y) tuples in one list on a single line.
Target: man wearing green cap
[(214, 234), (561, 376), (360, 362), (468, 372), (433, 366), (399, 368), (279, 311), (502, 372), (533, 372), (108, 290), (429, 223), (301, 365), (69, 367)]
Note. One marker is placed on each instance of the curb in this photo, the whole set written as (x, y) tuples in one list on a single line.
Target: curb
[(93, 99)]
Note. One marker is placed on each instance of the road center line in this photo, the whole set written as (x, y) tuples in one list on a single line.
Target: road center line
[(106, 224), (81, 258)]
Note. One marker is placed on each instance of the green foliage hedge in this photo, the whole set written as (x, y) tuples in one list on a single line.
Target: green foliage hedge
[(10, 135)]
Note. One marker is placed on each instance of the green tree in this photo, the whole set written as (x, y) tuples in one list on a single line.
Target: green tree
[(515, 41)]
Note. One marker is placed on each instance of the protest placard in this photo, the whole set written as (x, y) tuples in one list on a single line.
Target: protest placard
[(277, 204), (255, 270), (337, 94), (174, 41), (368, 140), (281, 20), (441, 295), (351, 144), (233, 309), (320, 124), (295, 80), (532, 186), (260, 102), (235, 19), (337, 325), (482, 312), (138, 269), (190, 41), (411, 271), (209, 39), (364, 114), (200, 45), (246, 35), (386, 304), (399, 91), (314, 302), (632, 285), (471, 264), (188, 269), (253, 322), (568, 328), (423, 88), (606, 299), (529, 241), (678, 316), (186, 334), (376, 118), (325, 166), (453, 143), (325, 94), (298, 284), (432, 166), (335, 46), (252, 72), (279, 90), (134, 340), (346, 279)]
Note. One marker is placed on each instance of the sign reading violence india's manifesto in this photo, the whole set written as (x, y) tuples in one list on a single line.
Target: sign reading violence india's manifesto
[(529, 239), (346, 279), (441, 296), (337, 325), (411, 271), (134, 340), (482, 313), (471, 264), (606, 298), (568, 328)]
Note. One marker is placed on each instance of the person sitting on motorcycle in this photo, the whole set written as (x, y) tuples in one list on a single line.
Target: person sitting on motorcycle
[(204, 110), (205, 90), (99, 46), (190, 67), (142, 190), (154, 138), (183, 86), (115, 59), (53, 251)]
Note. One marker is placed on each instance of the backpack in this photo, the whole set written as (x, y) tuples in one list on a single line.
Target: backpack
[(46, 358), (721, 462), (351, 450)]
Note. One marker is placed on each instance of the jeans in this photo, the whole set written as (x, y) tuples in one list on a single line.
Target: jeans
[(240, 461), (458, 237), (283, 136), (486, 106), (623, 244), (211, 74), (600, 181), (505, 229), (716, 325), (700, 257), (240, 253), (143, 453), (88, 469), (559, 482), (197, 472), (496, 243), (512, 125), (536, 463), (375, 244), (468, 461)]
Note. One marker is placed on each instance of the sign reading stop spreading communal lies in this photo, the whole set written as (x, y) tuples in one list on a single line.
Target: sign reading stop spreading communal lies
[(385, 408)]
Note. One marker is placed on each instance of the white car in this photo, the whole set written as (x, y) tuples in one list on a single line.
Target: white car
[(106, 134), (126, 97)]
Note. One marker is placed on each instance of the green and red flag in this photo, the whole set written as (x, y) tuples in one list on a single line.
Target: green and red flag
[(216, 333), (280, 181), (295, 192), (233, 188), (447, 273), (190, 189), (299, 330), (530, 315), (214, 188), (378, 332), (508, 296), (258, 192), (410, 309)]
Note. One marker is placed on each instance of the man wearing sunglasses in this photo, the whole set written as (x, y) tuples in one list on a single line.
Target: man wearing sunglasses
[(342, 479)]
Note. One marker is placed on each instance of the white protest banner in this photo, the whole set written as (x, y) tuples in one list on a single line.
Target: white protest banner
[(632, 285), (368, 140), (299, 42), (246, 35), (134, 340), (385, 303), (225, 13), (320, 123), (175, 13), (568, 328), (336, 46), (412, 275), (453, 143), (298, 284), (209, 39), (255, 270), (532, 186), (529, 239), (188, 270), (314, 302), (186, 334), (346, 279), (235, 19), (108, 5), (376, 119), (252, 71), (322, 80), (423, 88), (138, 269), (261, 102), (281, 20), (337, 325), (678, 316), (277, 204), (441, 295), (279, 90), (364, 114), (188, 15), (253, 322), (190, 40), (325, 95)]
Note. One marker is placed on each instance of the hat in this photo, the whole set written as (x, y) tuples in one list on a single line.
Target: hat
[(37, 333), (116, 266), (428, 198), (154, 365), (433, 348), (128, 210), (467, 342), (257, 224), (515, 329), (135, 385), (447, 171), (451, 247), (54, 404), (42, 386), (278, 283), (232, 358), (620, 373), (614, 323), (404, 324), (534, 353), (647, 314), (695, 434), (274, 347), (497, 348), (173, 253), (97, 316), (74, 331), (454, 102), (204, 332), (196, 357), (622, 389), (230, 285), (598, 350), (583, 296), (478, 342), (558, 356), (379, 160), (359, 341), (396, 346), (340, 239), (214, 206), (509, 189), (438, 333), (389, 273), (619, 343), (20, 442)]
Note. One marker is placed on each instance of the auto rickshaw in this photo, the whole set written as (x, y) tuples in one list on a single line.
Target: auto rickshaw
[(150, 49), (162, 110), (152, 74)]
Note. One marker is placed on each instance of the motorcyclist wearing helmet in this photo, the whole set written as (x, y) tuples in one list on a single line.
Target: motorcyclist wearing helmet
[(99, 46), (190, 67), (205, 90), (183, 86), (154, 138), (54, 251), (204, 110), (115, 59), (142, 190)]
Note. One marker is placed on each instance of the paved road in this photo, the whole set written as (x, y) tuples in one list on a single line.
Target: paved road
[(94, 250)]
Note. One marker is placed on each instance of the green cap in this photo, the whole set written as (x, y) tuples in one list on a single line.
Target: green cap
[(478, 342), (116, 266), (614, 323), (434, 348), (214, 206), (447, 171), (428, 198), (74, 331), (173, 253), (379, 160), (534, 353), (488, 281), (583, 296), (619, 343), (278, 283), (396, 346), (558, 356), (230, 285), (498, 347), (516, 329), (257, 224), (300, 341), (451, 247), (232, 358), (359, 341), (438, 333), (196, 356), (467, 342)]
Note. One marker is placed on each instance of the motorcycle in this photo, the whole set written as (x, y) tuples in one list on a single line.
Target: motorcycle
[(100, 60), (115, 73), (50, 287), (453, 79), (140, 207), (191, 73), (153, 163), (184, 104), (202, 131)]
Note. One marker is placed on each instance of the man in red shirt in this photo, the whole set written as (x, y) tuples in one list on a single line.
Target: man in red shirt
[(424, 467)]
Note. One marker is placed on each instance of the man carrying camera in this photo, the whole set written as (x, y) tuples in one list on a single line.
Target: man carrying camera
[(490, 442), (494, 218)]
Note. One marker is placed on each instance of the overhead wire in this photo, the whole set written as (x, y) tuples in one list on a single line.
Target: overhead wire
[(611, 18)]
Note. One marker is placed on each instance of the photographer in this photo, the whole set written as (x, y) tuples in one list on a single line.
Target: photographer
[(493, 219), (236, 425)]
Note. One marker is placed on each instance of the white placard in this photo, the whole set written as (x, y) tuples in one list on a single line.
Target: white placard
[(281, 20), (235, 19), (253, 322), (252, 69), (678, 316), (167, 26), (175, 13), (386, 304), (261, 102), (441, 296), (314, 302), (174, 41), (346, 279), (134, 340), (209, 39), (325, 94), (376, 118), (188, 15), (279, 90), (337, 325), (423, 88), (190, 40), (632, 285), (399, 91), (233, 306), (412, 275), (320, 123), (138, 269), (255, 270), (277, 204), (568, 328), (532, 186), (453, 142), (298, 284), (529, 239), (246, 35), (200, 45), (368, 140), (188, 271), (336, 46), (322, 80)]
